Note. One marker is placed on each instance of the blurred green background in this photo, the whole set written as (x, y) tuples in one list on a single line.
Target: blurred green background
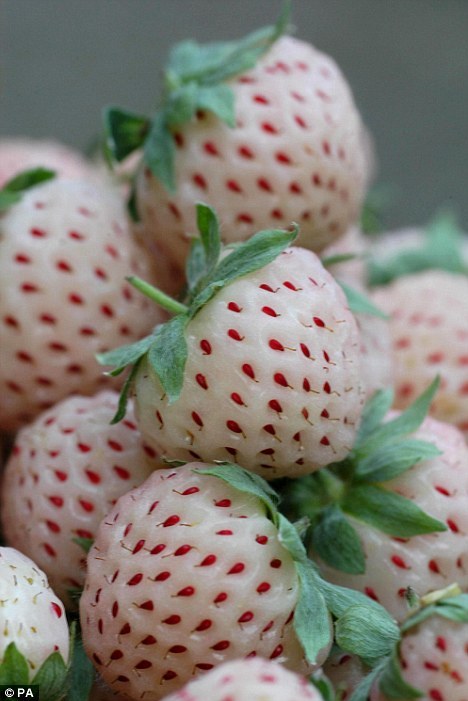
[(406, 60)]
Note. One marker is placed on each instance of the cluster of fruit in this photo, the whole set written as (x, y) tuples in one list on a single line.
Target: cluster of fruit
[(233, 424)]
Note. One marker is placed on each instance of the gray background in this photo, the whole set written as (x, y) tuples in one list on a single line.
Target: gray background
[(406, 60)]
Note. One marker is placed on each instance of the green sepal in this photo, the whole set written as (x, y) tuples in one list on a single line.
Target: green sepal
[(455, 608), (391, 460), (205, 250), (311, 616), (441, 249), (246, 482), (126, 355), (366, 633), (323, 686), (407, 422), (84, 543), (14, 668), (219, 100), (330, 261), (364, 688), (80, 674), (391, 681), (51, 678), (124, 133), (167, 355), (336, 542), (125, 392), (11, 192), (159, 152), (373, 414), (216, 62), (389, 512), (359, 303)]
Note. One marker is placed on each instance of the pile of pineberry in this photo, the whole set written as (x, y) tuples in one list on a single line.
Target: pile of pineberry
[(233, 422)]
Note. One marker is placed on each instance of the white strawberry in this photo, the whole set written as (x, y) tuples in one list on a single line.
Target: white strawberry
[(429, 328), (265, 129), (352, 272), (344, 671), (65, 250), (272, 378), (439, 487), (65, 473), (31, 617), (186, 572), (18, 154), (248, 680)]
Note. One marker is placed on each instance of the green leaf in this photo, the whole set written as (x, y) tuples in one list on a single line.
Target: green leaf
[(168, 354), (339, 599), (217, 62), (363, 632), (359, 303), (29, 178), (312, 622), (336, 542), (393, 459), (8, 199), (195, 265), (260, 250), (14, 668), (246, 482), (12, 191), (208, 226), (374, 412), (125, 393), (126, 355), (51, 677), (290, 539), (124, 132), (455, 608), (392, 683), (181, 105), (80, 675), (330, 261), (159, 152), (407, 422), (84, 543), (323, 686), (219, 100), (389, 512)]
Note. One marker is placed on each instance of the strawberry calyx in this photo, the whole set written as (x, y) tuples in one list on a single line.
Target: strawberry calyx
[(387, 672), (382, 451), (194, 82), (208, 272), (318, 599), (13, 190), (55, 677), (440, 249)]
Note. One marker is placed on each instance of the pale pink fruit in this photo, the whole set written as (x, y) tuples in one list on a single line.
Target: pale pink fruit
[(429, 328), (352, 272), (439, 487), (273, 376), (31, 616), (298, 152), (23, 153), (248, 680), (65, 250), (434, 659), (186, 572), (344, 671), (65, 473), (377, 359)]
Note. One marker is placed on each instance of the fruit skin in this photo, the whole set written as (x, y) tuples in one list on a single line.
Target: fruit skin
[(273, 376), (248, 680), (429, 328), (22, 153), (434, 660), (31, 615), (186, 572), (344, 671), (298, 152), (65, 472), (65, 250), (439, 486)]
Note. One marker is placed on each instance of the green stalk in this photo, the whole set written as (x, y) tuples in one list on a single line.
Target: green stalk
[(164, 301)]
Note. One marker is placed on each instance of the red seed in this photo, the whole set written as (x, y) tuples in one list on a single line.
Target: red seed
[(172, 620), (207, 561), (275, 345), (269, 311), (171, 521), (237, 568), (233, 426), (204, 625), (263, 587), (280, 379), (136, 579), (186, 591), (182, 550)]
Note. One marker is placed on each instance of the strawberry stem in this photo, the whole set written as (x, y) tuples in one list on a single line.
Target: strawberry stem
[(164, 301)]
